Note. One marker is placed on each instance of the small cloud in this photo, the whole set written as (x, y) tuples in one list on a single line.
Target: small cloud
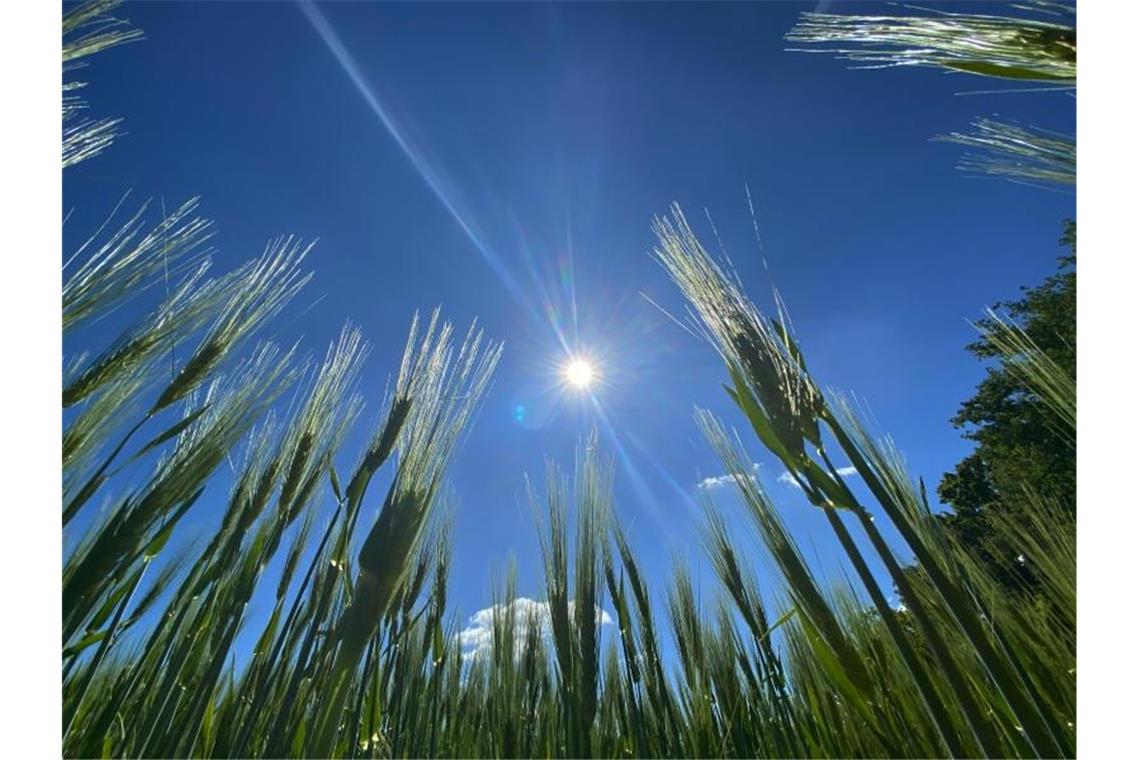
[(476, 638), (720, 481), (789, 480)]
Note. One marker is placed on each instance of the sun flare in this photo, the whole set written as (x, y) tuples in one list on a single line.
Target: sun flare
[(579, 373)]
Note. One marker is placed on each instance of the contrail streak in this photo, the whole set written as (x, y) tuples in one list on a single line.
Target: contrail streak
[(432, 176)]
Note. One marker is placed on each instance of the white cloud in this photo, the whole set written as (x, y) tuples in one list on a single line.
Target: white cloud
[(789, 480), (476, 638), (720, 481)]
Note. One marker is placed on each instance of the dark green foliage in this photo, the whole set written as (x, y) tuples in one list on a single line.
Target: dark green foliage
[(1018, 440)]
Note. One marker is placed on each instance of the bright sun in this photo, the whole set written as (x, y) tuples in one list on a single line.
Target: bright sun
[(579, 373)]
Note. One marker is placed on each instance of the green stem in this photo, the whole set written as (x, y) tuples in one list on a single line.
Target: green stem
[(104, 647), (1028, 713), (926, 689)]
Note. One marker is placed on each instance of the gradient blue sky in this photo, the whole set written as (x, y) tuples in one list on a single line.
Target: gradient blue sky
[(526, 150)]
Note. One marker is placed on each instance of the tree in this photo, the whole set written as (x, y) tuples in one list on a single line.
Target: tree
[(1018, 444)]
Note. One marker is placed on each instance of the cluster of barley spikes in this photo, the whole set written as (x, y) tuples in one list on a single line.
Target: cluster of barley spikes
[(1034, 49), (359, 655)]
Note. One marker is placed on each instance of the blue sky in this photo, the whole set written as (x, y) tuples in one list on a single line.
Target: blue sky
[(526, 150)]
